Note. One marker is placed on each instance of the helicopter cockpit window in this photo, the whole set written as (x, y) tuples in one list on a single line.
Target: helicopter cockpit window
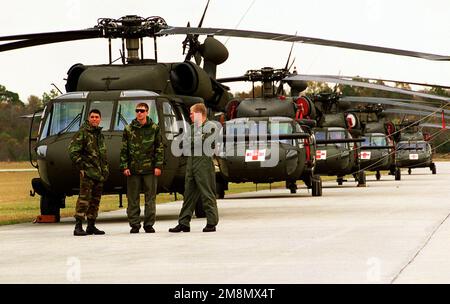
[(282, 128), (105, 107), (66, 117), (170, 121), (337, 134), (126, 112), (320, 135), (378, 141)]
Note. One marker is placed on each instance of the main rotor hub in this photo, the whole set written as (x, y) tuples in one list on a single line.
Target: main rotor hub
[(131, 26)]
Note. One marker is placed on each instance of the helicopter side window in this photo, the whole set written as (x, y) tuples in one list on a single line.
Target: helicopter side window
[(320, 135), (126, 112), (170, 121), (366, 141), (105, 107), (67, 117)]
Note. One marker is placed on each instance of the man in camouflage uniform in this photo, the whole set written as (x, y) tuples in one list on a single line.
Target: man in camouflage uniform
[(200, 181), (141, 160), (88, 153)]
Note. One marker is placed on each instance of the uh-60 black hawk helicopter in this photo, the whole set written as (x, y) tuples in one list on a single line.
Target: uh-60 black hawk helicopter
[(169, 89), (384, 148)]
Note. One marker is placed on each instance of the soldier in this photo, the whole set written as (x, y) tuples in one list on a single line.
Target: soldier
[(199, 182), (141, 160), (88, 153)]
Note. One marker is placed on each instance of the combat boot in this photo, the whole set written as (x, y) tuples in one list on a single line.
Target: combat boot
[(179, 228), (91, 229), (79, 228), (209, 228)]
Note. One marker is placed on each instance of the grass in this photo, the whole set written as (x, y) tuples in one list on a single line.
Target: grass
[(17, 206)]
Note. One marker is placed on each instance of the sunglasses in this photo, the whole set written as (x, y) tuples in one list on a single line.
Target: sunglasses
[(140, 111)]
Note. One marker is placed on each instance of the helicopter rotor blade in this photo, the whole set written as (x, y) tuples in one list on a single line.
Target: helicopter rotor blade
[(414, 112), (293, 38), (334, 79), (233, 79), (389, 80), (405, 103), (77, 34), (28, 40), (431, 125)]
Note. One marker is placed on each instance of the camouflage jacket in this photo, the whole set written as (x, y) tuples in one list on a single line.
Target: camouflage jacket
[(87, 151), (142, 149)]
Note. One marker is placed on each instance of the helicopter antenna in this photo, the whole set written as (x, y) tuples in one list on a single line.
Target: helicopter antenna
[(60, 92), (242, 18), (286, 70)]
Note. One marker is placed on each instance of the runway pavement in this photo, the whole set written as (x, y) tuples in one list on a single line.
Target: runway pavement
[(388, 232)]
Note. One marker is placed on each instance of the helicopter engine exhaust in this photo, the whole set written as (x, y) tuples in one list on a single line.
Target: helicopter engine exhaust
[(188, 78)]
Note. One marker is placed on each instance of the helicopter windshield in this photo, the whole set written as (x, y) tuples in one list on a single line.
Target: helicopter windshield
[(126, 112), (417, 146), (65, 117), (377, 141), (243, 127)]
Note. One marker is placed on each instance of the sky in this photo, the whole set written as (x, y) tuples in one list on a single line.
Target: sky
[(414, 25)]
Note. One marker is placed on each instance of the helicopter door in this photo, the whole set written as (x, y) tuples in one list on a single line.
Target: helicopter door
[(168, 132)]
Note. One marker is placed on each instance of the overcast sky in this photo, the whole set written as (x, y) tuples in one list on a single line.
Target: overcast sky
[(415, 25)]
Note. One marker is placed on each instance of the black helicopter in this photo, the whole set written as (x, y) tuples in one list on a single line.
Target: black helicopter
[(168, 87)]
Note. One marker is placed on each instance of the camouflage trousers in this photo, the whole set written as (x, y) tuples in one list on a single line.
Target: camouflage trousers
[(89, 198)]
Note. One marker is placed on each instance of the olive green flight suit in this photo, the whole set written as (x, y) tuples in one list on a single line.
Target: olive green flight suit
[(199, 183)]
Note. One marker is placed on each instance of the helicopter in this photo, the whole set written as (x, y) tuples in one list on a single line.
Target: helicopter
[(392, 133), (169, 88), (265, 160), (335, 123), (413, 149)]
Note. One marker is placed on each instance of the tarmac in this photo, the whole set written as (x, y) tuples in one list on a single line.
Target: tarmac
[(388, 232)]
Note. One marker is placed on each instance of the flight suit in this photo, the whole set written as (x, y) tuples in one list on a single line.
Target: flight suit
[(87, 150), (142, 151), (199, 182)]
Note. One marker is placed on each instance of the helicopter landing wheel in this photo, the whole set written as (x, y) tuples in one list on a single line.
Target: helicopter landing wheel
[(361, 178), (378, 175), (340, 181), (316, 185), (398, 174), (50, 204), (292, 186), (433, 168), (409, 171)]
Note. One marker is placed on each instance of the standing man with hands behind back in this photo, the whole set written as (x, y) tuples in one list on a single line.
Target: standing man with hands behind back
[(141, 160)]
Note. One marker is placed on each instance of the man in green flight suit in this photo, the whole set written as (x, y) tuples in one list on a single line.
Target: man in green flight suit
[(199, 182), (87, 151), (141, 160)]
